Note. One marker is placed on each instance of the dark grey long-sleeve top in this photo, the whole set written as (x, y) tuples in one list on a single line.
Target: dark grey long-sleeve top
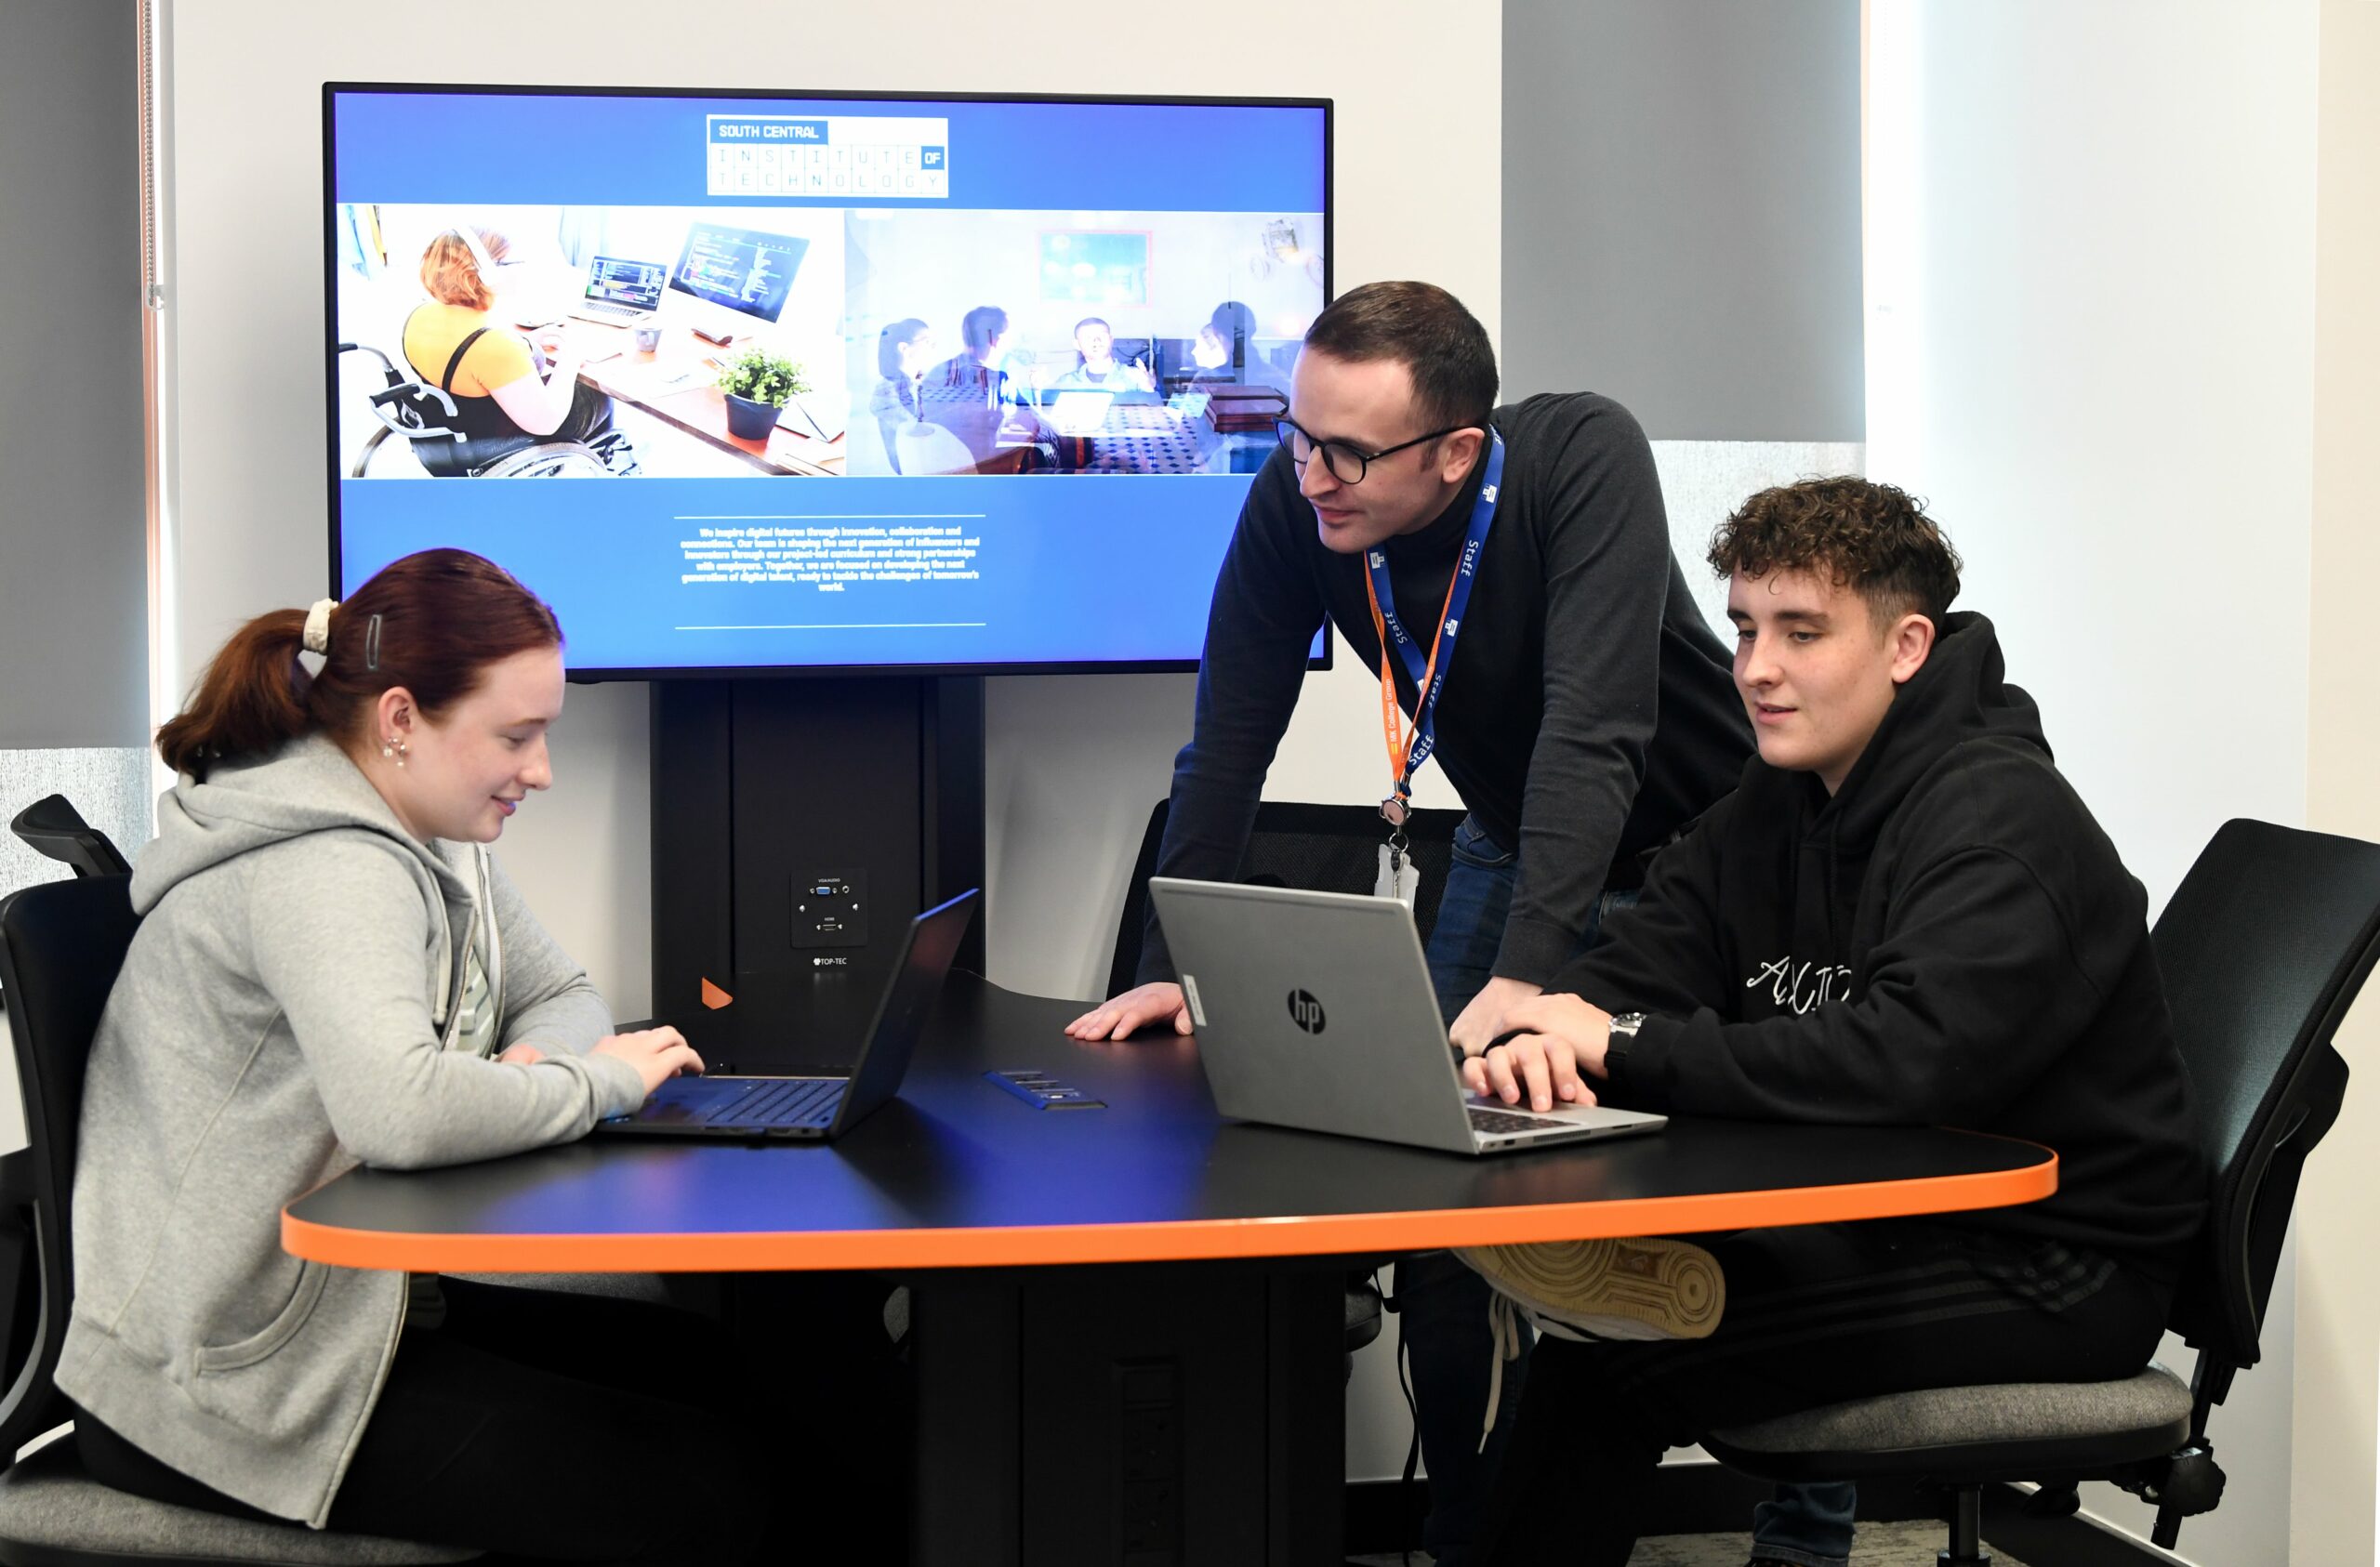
[(1587, 712)]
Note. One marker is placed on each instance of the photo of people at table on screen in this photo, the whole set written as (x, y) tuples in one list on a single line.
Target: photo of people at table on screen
[(755, 341), (1073, 342)]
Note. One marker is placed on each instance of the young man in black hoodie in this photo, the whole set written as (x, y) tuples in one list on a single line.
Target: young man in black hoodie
[(1902, 916)]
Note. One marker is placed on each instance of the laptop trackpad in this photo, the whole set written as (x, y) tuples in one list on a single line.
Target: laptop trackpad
[(690, 1101)]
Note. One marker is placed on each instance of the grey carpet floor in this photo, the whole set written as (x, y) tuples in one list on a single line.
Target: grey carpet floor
[(1877, 1545)]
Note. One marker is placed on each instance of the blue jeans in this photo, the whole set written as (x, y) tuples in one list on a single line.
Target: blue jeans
[(1807, 1526), (1444, 1305)]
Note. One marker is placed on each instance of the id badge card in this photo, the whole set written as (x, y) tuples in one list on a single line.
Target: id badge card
[(1399, 877)]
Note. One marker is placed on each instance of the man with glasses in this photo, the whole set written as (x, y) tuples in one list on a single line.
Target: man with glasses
[(1508, 572)]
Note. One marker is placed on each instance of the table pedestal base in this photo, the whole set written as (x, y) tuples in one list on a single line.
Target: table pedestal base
[(1172, 1416)]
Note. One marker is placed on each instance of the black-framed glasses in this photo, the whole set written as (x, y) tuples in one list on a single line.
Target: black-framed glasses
[(1346, 463)]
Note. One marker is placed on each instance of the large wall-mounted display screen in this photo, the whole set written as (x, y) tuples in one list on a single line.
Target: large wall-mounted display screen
[(844, 382)]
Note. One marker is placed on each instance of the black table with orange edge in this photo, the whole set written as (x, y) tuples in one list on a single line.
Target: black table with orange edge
[(1127, 1321)]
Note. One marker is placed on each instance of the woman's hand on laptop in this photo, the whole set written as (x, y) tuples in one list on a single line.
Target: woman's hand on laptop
[(1550, 1041), (1135, 1010), (658, 1054)]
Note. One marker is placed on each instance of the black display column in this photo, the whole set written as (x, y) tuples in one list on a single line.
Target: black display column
[(797, 825)]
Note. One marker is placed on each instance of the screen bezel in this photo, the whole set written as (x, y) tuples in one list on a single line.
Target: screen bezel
[(331, 91)]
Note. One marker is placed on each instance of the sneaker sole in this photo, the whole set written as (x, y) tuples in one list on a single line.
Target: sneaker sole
[(1631, 1289)]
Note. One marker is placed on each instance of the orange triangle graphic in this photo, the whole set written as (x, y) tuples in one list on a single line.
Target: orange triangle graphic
[(714, 997)]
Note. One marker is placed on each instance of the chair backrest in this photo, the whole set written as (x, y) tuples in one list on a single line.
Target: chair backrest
[(2263, 949), (52, 827), (1318, 848), (62, 945)]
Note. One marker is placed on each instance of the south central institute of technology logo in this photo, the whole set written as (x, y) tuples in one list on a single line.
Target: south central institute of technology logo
[(1305, 1012)]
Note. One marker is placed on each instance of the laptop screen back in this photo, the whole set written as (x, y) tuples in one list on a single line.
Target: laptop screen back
[(901, 1018)]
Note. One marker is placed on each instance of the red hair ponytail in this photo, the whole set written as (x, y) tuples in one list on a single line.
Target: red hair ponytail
[(432, 623)]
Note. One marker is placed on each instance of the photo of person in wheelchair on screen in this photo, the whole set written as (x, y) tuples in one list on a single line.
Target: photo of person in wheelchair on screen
[(508, 395), (470, 393)]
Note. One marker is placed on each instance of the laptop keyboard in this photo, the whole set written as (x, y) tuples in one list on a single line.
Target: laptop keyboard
[(605, 308), (791, 1101), (1504, 1123)]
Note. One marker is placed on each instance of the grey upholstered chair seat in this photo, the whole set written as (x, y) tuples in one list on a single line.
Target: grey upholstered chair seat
[(51, 1511), (2043, 1425)]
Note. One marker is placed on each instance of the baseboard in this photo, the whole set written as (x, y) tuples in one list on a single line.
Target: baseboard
[(1713, 1499)]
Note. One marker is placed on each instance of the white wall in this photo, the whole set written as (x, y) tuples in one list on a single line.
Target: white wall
[(2089, 332), (1075, 762), (2333, 1488)]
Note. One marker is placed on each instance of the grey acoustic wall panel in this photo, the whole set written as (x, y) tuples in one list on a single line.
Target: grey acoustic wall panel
[(1682, 212), (73, 535)]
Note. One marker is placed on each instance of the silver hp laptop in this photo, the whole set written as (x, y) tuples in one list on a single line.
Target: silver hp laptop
[(817, 1107), (1314, 1010)]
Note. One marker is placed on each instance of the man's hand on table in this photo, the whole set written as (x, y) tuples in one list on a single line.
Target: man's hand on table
[(1552, 1040), (1482, 1021), (1133, 1009)]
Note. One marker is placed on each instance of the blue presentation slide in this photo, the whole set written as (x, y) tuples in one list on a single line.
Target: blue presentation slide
[(940, 383)]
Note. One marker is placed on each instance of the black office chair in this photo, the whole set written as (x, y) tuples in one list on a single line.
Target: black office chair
[(52, 827), (1318, 847), (2263, 948), (60, 945)]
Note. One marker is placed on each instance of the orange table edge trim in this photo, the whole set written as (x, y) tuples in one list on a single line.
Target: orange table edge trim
[(1160, 1241)]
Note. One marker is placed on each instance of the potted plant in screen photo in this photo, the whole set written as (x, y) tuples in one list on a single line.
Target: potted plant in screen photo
[(756, 386)]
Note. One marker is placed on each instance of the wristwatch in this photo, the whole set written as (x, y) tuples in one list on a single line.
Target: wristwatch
[(1625, 1025)]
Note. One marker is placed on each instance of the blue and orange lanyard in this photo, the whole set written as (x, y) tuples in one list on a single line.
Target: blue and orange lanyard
[(1409, 750)]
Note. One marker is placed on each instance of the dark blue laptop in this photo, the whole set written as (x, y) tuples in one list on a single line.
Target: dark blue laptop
[(816, 1107)]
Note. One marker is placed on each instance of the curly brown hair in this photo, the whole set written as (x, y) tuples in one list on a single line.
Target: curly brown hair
[(1870, 537)]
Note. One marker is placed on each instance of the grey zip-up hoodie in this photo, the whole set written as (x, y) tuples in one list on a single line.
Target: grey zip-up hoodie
[(282, 1018)]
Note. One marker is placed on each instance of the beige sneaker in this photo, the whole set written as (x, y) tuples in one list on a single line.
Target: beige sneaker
[(1608, 1290)]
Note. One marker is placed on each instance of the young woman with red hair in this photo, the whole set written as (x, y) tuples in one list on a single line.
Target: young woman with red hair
[(332, 971)]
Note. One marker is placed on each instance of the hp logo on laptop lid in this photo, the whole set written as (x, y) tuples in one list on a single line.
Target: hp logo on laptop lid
[(1305, 1012)]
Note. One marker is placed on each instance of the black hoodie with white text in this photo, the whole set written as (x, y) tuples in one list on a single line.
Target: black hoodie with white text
[(1948, 940)]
